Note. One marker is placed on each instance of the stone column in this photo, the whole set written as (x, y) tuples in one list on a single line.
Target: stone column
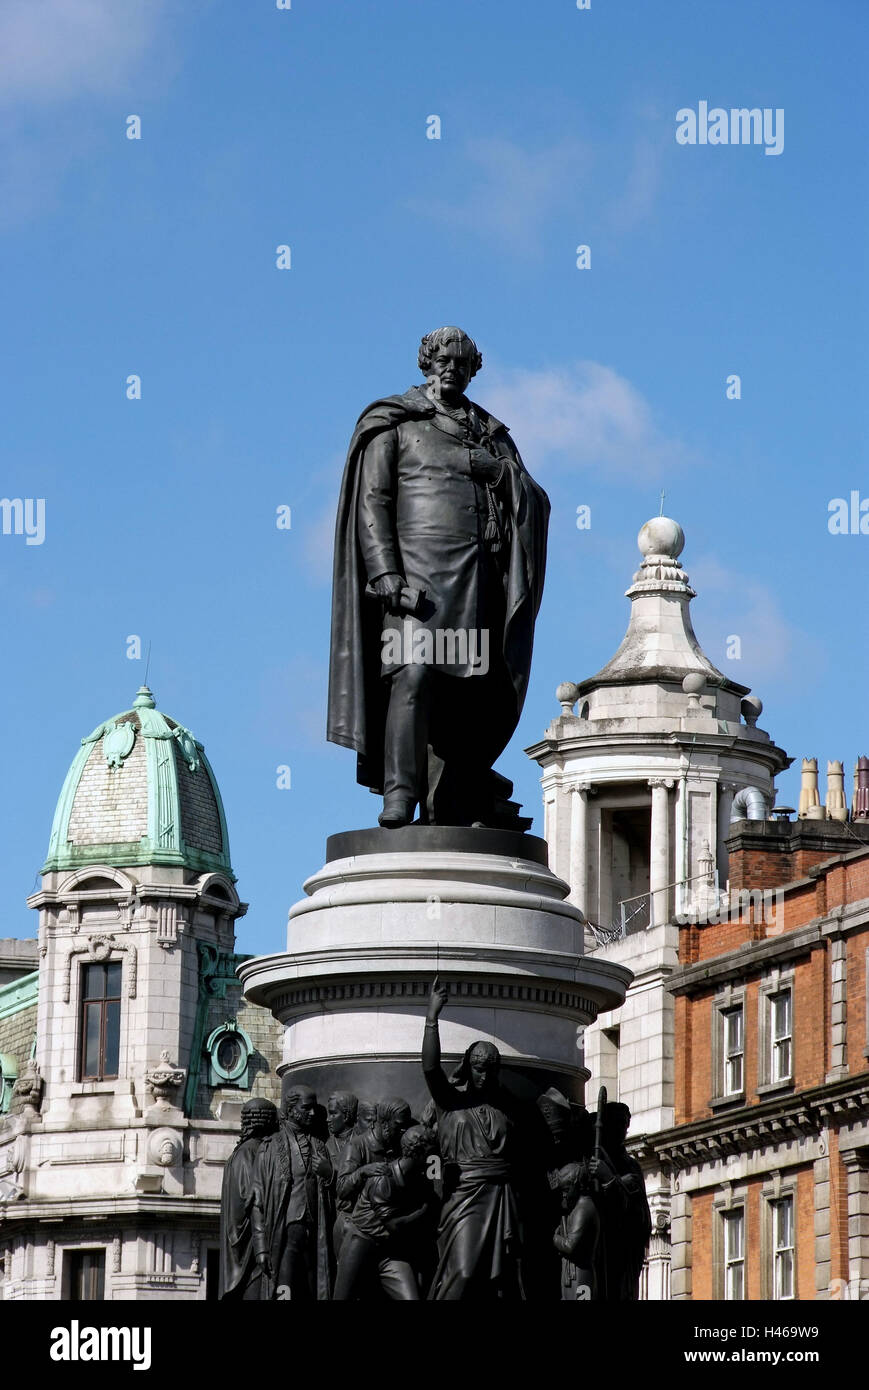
[(725, 806), (821, 1194), (592, 840), (838, 1009), (680, 1246), (659, 852), (857, 1169), (578, 869), (605, 870)]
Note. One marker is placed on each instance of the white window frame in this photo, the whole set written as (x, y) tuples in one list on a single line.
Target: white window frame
[(781, 1044), (730, 1056), (733, 1257), (784, 1251)]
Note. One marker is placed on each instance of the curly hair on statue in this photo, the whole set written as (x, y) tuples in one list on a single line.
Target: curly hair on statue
[(439, 338)]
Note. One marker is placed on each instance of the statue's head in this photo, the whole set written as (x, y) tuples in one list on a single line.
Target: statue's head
[(366, 1113), (259, 1117), (484, 1063), (300, 1107), (616, 1123), (449, 359), (417, 1143), (571, 1181), (341, 1108), (393, 1117), (555, 1109)]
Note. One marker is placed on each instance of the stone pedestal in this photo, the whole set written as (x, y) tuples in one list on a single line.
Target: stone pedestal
[(392, 908)]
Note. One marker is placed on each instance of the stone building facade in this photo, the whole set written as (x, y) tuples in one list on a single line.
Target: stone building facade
[(127, 1091)]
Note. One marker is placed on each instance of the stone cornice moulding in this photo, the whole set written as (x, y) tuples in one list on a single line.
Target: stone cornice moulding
[(753, 1127), (100, 948)]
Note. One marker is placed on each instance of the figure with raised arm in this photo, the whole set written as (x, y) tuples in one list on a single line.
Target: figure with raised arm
[(479, 1235)]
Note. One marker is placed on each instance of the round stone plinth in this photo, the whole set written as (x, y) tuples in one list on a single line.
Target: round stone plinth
[(379, 924)]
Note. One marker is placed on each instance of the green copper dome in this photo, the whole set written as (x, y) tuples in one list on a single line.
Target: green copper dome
[(140, 791)]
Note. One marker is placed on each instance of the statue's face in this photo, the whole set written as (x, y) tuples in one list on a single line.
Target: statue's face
[(483, 1064), (336, 1119), (451, 368), (366, 1114), (391, 1129), (302, 1112)]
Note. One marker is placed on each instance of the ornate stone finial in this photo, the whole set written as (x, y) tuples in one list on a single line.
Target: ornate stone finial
[(837, 806), (164, 1079), (752, 709), (144, 699), (567, 694), (706, 863), (810, 807), (661, 536), (693, 685), (661, 542)]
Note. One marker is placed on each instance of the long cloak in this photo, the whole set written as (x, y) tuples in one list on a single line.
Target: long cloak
[(358, 696), (237, 1261), (479, 1231)]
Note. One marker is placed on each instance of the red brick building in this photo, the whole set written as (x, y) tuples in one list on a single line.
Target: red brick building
[(769, 1153)]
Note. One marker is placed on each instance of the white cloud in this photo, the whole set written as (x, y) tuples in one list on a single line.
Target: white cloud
[(52, 50), (511, 191), (635, 202), (583, 416), (730, 603)]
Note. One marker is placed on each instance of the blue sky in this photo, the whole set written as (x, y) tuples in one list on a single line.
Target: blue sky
[(307, 127)]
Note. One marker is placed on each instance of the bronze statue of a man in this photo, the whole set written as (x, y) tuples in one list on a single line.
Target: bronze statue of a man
[(342, 1109), (440, 550), (240, 1275), (291, 1204)]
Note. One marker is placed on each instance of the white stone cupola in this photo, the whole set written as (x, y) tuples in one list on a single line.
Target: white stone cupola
[(641, 767)]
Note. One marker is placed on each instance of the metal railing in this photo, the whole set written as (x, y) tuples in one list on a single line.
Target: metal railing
[(635, 914)]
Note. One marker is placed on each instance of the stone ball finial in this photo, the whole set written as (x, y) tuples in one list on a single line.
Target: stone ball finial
[(661, 536), (567, 694), (693, 686), (752, 709)]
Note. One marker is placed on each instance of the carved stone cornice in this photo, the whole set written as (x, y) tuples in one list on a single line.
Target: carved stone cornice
[(751, 1127)]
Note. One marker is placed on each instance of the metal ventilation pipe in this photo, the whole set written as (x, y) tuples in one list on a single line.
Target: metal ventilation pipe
[(749, 804)]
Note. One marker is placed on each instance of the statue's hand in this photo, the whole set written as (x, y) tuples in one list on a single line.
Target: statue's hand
[(265, 1264), (437, 999), (322, 1167), (389, 587), (484, 467), (375, 1170)]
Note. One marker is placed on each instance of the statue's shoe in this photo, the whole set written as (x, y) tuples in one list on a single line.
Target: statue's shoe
[(397, 811)]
